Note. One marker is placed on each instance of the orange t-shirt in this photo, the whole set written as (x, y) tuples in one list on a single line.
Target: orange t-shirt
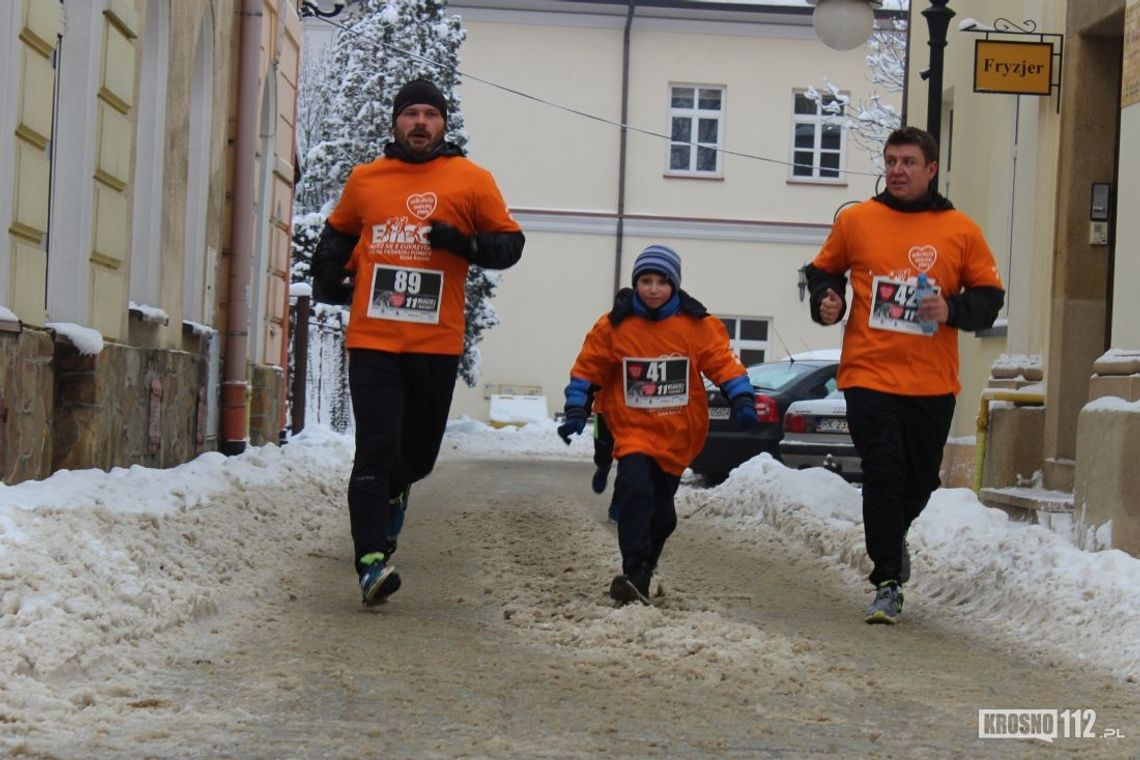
[(871, 241), (651, 388), (409, 297)]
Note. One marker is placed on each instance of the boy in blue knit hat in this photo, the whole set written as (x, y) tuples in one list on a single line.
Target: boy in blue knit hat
[(645, 360)]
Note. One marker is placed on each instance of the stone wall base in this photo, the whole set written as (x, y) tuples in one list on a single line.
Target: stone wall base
[(126, 405)]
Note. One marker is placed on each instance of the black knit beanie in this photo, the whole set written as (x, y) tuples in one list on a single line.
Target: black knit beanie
[(418, 92)]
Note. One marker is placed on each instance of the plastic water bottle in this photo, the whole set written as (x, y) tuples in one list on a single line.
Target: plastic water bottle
[(925, 289)]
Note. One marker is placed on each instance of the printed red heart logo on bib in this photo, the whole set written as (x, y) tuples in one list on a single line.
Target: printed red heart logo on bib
[(896, 311), (635, 370), (397, 300), (422, 204), (649, 389), (922, 257)]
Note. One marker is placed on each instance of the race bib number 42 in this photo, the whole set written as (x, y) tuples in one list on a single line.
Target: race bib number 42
[(894, 305), (406, 294), (660, 383)]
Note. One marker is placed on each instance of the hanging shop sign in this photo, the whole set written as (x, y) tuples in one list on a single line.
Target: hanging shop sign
[(1018, 68)]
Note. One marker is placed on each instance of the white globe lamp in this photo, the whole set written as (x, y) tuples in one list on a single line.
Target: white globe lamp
[(843, 24)]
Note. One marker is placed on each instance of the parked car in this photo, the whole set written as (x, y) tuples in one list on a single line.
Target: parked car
[(777, 384), (816, 435)]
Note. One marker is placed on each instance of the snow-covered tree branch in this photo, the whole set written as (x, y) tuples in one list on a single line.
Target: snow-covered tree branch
[(344, 116), (869, 121)]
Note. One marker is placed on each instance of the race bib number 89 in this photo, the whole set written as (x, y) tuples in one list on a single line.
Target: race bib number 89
[(894, 305), (406, 294), (660, 383)]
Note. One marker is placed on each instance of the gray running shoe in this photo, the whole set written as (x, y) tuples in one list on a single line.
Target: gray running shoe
[(887, 605)]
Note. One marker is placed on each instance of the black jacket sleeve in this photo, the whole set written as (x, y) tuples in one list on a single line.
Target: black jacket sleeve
[(497, 250), (334, 248), (975, 308), (818, 282)]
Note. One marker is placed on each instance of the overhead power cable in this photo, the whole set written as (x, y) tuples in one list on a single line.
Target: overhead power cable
[(576, 111)]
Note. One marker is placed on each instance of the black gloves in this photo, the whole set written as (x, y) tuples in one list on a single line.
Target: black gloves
[(329, 287), (334, 248), (574, 423), (744, 410), (449, 238)]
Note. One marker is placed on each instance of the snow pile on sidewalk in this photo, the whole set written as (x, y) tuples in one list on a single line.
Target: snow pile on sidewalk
[(92, 559), (1020, 581)]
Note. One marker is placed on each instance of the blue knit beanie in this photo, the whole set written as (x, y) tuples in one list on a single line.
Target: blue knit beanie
[(660, 259)]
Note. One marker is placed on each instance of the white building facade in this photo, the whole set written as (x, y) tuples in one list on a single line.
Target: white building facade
[(723, 158)]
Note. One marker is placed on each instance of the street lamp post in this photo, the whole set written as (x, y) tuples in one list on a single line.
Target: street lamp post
[(846, 24), (938, 17)]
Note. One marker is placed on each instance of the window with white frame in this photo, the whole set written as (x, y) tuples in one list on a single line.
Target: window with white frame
[(748, 337), (696, 129), (818, 140)]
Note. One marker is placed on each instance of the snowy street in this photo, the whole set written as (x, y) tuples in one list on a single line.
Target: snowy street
[(211, 611)]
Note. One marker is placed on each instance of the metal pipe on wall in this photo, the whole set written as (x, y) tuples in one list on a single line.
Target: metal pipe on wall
[(235, 382), (620, 235)]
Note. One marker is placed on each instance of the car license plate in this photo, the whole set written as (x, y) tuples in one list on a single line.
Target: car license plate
[(831, 425), (719, 412)]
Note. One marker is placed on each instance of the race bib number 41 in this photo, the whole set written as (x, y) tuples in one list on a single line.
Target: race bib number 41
[(406, 294), (660, 383), (894, 305)]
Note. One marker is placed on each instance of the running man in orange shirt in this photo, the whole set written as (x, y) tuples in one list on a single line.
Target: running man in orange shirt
[(397, 248), (899, 379)]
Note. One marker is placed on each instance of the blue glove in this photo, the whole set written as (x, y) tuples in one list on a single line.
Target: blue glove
[(744, 410), (574, 423)]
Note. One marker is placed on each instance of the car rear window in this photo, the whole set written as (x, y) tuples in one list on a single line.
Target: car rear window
[(776, 375)]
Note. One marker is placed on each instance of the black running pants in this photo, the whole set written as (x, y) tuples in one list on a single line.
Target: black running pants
[(900, 440), (400, 403), (644, 494)]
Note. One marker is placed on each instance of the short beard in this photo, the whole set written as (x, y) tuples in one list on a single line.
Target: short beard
[(403, 142)]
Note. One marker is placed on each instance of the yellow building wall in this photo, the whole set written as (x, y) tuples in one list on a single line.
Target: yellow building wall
[(32, 162), (107, 295)]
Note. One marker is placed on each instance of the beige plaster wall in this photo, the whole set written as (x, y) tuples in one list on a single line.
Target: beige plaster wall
[(564, 282), (543, 157), (1125, 305), (1003, 174), (188, 20), (549, 160)]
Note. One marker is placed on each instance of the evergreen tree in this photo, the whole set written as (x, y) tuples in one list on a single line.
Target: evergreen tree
[(385, 44)]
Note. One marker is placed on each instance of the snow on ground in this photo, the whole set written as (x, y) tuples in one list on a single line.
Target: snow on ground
[(88, 558)]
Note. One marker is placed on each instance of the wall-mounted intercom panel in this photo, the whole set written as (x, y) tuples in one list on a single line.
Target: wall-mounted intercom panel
[(1100, 210)]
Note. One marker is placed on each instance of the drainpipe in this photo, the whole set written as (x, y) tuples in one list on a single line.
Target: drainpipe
[(622, 149), (287, 221), (1025, 398), (235, 382)]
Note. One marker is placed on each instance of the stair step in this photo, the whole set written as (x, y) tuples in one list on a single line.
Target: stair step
[(1027, 500)]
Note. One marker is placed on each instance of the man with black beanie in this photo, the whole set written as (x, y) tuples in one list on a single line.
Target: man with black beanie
[(396, 249)]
